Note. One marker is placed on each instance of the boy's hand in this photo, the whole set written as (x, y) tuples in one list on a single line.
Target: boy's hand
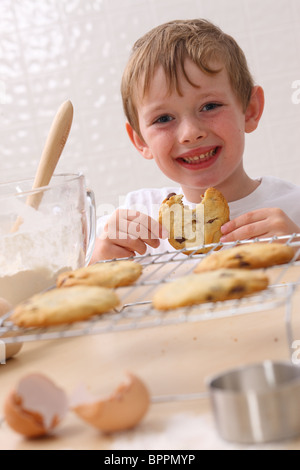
[(126, 233), (260, 223)]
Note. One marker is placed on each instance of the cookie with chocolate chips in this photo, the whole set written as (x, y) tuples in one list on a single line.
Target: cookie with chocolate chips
[(194, 227), (58, 306), (110, 274), (247, 256), (214, 286)]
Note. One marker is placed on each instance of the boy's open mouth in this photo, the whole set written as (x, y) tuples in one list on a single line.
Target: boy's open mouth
[(200, 161)]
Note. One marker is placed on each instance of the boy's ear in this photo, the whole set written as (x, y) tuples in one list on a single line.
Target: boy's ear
[(255, 109), (138, 142)]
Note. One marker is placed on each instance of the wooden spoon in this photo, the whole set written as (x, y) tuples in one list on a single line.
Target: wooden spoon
[(53, 148)]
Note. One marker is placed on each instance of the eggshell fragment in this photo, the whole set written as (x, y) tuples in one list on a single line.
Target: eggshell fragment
[(123, 410), (11, 349), (36, 406)]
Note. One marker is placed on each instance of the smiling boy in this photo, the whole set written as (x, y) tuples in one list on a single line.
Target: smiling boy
[(189, 99)]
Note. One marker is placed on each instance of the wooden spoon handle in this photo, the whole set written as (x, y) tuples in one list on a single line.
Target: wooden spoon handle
[(53, 148)]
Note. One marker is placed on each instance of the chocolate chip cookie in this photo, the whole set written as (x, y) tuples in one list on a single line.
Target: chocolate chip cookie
[(58, 306), (247, 256), (193, 227), (110, 274), (214, 286)]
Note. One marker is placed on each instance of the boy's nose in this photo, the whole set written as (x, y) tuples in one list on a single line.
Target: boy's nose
[(191, 131)]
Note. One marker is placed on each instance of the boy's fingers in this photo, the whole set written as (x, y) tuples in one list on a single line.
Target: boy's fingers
[(122, 252), (155, 229), (246, 232), (131, 243), (243, 220), (139, 225), (104, 249), (131, 235), (154, 242), (136, 231)]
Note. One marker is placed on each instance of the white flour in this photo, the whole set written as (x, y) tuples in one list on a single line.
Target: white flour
[(31, 258), (178, 432)]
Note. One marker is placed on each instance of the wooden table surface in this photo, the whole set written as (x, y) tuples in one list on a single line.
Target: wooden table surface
[(174, 359)]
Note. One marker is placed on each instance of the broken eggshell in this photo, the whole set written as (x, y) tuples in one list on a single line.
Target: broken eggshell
[(36, 406), (123, 410)]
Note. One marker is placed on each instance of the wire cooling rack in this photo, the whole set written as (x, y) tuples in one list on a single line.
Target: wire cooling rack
[(137, 311)]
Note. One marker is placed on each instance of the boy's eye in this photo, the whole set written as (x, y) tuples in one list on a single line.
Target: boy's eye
[(163, 119), (210, 106)]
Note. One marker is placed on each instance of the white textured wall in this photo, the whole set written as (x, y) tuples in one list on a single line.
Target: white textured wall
[(53, 50)]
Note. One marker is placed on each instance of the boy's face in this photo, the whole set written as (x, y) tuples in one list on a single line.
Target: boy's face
[(196, 139)]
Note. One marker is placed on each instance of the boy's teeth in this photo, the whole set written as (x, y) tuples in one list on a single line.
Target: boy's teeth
[(201, 157)]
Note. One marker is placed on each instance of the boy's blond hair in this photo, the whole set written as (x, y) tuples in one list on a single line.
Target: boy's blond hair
[(168, 45)]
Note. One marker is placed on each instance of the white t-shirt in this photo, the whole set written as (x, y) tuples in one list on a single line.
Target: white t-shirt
[(272, 192)]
